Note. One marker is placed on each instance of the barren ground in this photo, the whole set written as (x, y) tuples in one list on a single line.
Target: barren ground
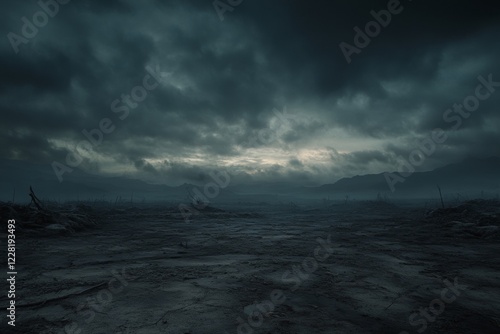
[(386, 263)]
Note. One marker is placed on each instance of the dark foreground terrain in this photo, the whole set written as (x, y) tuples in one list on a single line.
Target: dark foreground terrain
[(360, 267)]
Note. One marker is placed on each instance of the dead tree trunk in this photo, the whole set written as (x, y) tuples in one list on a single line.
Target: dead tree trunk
[(440, 195), (35, 200)]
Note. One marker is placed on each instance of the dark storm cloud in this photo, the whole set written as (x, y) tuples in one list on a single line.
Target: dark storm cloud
[(225, 78)]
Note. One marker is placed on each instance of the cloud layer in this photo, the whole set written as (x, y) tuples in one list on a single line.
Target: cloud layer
[(266, 94)]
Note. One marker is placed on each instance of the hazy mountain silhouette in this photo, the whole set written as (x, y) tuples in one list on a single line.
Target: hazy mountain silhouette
[(76, 185), (472, 175)]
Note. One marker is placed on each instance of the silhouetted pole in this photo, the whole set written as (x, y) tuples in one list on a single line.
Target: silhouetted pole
[(35, 199), (440, 195)]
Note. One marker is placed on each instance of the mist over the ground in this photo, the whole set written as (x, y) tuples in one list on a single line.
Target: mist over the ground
[(473, 178)]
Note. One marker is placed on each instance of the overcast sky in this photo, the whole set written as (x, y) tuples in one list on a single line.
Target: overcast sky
[(266, 93)]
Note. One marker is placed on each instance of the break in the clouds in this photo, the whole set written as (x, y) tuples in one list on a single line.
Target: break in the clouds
[(266, 93)]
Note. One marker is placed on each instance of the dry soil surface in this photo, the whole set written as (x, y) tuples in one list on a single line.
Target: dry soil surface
[(364, 268)]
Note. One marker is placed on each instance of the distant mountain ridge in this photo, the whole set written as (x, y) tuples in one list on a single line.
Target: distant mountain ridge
[(469, 175), (19, 175)]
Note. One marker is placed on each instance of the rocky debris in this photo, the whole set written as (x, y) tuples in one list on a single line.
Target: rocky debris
[(54, 220), (478, 218)]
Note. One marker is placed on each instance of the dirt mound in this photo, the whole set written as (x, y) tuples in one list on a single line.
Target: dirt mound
[(366, 205), (377, 205), (53, 220), (479, 218), (212, 209)]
